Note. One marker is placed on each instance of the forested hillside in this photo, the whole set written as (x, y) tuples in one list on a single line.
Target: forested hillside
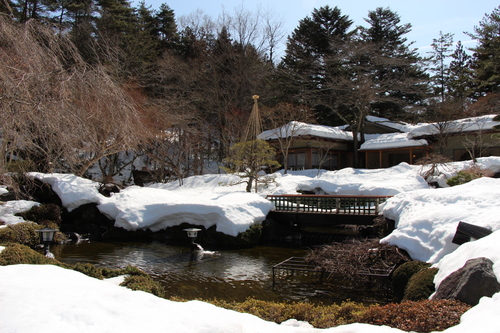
[(100, 81)]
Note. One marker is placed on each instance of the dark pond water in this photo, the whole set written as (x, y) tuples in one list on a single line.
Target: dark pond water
[(232, 275)]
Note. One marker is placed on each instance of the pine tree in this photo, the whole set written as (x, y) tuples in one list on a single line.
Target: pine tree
[(301, 71), (248, 159), (394, 64), (166, 27), (441, 51), (486, 57), (460, 83)]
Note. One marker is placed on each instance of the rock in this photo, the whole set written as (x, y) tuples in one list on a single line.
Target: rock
[(471, 282)]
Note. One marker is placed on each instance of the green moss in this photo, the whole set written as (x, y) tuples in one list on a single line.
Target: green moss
[(402, 275), (23, 233), (144, 283), (318, 315), (421, 285), (15, 254)]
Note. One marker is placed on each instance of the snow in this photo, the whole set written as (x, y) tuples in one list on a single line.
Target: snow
[(72, 190), (426, 219), (400, 126), (302, 129), (349, 181), (209, 200), (404, 139), (156, 209), (461, 125), (390, 140), (10, 208)]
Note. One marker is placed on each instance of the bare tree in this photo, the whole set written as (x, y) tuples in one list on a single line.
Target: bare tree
[(286, 121), (57, 111), (273, 32)]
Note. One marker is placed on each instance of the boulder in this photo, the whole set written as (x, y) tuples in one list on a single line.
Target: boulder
[(471, 282)]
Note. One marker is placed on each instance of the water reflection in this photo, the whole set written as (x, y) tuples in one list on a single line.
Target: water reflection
[(231, 275)]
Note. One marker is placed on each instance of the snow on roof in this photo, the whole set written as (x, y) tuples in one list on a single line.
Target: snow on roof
[(390, 141), (296, 128), (400, 126), (455, 126)]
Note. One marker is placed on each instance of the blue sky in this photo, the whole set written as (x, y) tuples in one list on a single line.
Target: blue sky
[(428, 17)]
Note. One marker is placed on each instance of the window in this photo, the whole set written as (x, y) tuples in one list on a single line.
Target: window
[(324, 160), (296, 160)]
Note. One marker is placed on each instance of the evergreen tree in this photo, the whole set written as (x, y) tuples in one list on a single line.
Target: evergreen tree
[(248, 159), (486, 57), (302, 68), (395, 66), (460, 83), (441, 51), (166, 27), (25, 10)]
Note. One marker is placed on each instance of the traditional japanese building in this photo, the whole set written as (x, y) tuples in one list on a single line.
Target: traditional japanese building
[(387, 143)]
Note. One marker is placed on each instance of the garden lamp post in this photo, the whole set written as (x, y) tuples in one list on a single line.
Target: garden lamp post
[(192, 233), (46, 237)]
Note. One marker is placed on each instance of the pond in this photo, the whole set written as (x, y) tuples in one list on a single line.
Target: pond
[(230, 275)]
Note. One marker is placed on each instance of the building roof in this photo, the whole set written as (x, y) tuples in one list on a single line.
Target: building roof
[(395, 125), (295, 128), (390, 141), (456, 126), (408, 135)]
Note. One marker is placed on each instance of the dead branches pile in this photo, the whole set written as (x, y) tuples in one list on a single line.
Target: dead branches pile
[(354, 259)]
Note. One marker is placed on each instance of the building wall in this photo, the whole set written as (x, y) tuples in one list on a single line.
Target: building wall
[(460, 147)]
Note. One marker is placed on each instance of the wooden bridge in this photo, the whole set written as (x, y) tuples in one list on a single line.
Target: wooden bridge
[(328, 204)]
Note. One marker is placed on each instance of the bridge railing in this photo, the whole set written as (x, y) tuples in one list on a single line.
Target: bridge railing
[(327, 204)]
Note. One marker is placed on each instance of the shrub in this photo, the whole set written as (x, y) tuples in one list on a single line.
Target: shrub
[(420, 316), (402, 275), (43, 213), (106, 273), (89, 270), (144, 283), (246, 239), (15, 254), (421, 285), (252, 235), (466, 175), (23, 233), (320, 316)]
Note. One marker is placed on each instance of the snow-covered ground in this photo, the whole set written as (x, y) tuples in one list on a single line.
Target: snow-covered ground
[(426, 219)]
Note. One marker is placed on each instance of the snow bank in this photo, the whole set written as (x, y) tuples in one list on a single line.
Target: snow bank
[(487, 247), (426, 220), (45, 298), (204, 203), (10, 208), (349, 181), (73, 191), (137, 208)]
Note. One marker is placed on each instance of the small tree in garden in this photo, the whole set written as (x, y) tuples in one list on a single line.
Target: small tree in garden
[(248, 158)]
